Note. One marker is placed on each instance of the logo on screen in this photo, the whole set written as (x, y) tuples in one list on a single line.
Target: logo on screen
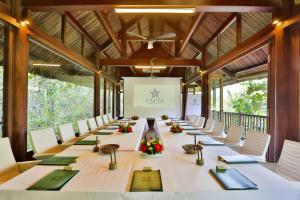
[(195, 102), (155, 99)]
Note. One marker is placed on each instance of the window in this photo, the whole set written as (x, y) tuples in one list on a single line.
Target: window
[(59, 91)]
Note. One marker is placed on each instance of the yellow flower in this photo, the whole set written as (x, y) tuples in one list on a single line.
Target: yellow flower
[(148, 143)]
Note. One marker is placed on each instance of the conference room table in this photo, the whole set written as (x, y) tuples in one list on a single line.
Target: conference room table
[(181, 177)]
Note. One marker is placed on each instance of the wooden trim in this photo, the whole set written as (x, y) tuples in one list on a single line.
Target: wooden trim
[(238, 28), (58, 48)]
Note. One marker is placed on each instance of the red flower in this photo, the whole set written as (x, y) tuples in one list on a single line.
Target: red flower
[(120, 130), (129, 130), (158, 148), (143, 148)]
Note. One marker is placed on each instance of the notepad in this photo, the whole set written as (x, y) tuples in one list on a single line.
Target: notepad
[(111, 127), (58, 160), (237, 159), (196, 133), (54, 180), (211, 143), (85, 142), (232, 179), (143, 181)]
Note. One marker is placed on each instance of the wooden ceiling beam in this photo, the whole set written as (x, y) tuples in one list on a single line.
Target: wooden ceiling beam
[(223, 27), (109, 30), (125, 62), (250, 67), (201, 6), (228, 72), (107, 43), (258, 40), (191, 31)]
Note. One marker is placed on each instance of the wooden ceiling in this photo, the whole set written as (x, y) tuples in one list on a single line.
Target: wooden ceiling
[(106, 30)]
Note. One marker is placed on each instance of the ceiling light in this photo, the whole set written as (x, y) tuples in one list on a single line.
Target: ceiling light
[(46, 64), (155, 10), (276, 21), (149, 67)]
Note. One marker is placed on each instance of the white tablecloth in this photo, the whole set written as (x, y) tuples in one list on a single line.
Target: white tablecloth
[(181, 177)]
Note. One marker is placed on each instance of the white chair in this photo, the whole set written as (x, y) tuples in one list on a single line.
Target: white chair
[(92, 124), (99, 121), (67, 132), (234, 136), (110, 118), (9, 168), (44, 143), (256, 145), (217, 130), (105, 119), (83, 127), (200, 123), (209, 125), (195, 120), (289, 162)]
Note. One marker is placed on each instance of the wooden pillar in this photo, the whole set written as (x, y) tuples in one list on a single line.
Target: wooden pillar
[(16, 83), (113, 99), (97, 85), (205, 96), (184, 99), (104, 97)]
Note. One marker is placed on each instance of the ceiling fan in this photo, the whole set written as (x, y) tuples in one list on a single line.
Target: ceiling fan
[(170, 37)]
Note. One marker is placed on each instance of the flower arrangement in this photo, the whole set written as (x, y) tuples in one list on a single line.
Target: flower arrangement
[(164, 117), (134, 117), (154, 146), (125, 128), (176, 128)]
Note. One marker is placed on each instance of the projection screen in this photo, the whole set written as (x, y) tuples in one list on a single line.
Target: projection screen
[(152, 97)]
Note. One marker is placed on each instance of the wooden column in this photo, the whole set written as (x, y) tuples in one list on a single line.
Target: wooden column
[(104, 97), (205, 96), (184, 99), (97, 85), (16, 77)]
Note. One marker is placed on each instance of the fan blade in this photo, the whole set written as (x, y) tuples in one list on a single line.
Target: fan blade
[(166, 36), (136, 35)]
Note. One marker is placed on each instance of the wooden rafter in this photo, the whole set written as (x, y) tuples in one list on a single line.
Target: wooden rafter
[(250, 67), (223, 27), (255, 42), (191, 31), (74, 21), (109, 30), (142, 61), (204, 5), (228, 72), (107, 43)]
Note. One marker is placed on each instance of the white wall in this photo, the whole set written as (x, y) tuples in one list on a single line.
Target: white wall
[(152, 97)]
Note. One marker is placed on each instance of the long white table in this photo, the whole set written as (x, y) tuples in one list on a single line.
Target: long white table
[(181, 177)]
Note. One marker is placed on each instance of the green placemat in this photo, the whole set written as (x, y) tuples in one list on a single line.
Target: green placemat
[(143, 181), (58, 160), (189, 128), (211, 143), (54, 180), (196, 133), (232, 179), (103, 133), (237, 159), (85, 142)]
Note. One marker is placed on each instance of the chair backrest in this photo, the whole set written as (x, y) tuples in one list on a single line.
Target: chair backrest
[(234, 135), (92, 124), (201, 122), (99, 121), (110, 118), (289, 161), (191, 118), (209, 124), (66, 132), (8, 165), (256, 143), (195, 119), (83, 127), (105, 119), (218, 128), (42, 139)]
